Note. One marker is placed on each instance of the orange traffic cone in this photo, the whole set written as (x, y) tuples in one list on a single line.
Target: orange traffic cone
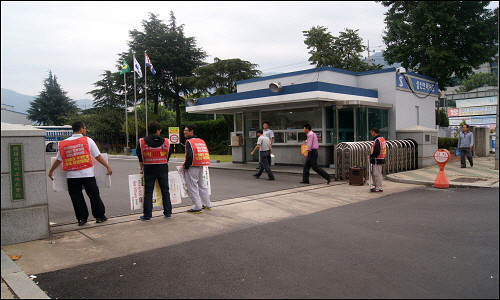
[(441, 156)]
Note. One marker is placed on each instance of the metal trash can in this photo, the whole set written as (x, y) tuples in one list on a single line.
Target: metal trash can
[(357, 176)]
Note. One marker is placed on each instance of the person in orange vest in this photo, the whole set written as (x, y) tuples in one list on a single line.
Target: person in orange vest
[(196, 157), (153, 153), (377, 159), (75, 153)]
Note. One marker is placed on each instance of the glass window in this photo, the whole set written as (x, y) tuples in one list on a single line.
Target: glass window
[(293, 118), (379, 118), (346, 125), (291, 137), (279, 137), (362, 131), (239, 122)]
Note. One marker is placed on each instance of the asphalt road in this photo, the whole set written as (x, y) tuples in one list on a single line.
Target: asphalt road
[(226, 184), (426, 243)]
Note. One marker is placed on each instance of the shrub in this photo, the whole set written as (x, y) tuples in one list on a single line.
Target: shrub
[(447, 143)]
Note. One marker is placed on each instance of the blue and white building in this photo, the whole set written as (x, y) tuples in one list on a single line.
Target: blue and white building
[(9, 115), (340, 105)]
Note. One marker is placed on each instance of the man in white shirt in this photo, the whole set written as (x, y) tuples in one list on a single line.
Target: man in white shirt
[(75, 153), (265, 148), (270, 135)]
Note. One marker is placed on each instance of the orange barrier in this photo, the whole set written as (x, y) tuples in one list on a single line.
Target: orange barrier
[(441, 156)]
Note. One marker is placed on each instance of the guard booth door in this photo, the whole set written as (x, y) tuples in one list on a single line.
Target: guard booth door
[(251, 127)]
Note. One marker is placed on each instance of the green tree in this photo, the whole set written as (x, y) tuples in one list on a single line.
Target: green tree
[(442, 118), (52, 105), (477, 80), (109, 92), (343, 52), (440, 39), (173, 56)]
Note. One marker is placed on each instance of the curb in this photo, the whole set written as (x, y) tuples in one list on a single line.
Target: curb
[(18, 281), (391, 177)]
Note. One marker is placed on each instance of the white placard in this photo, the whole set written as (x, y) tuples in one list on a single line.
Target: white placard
[(136, 191), (60, 183)]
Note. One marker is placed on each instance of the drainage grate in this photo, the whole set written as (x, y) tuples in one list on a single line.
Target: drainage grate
[(468, 179)]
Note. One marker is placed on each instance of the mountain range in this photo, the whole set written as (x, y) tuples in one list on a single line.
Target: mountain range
[(21, 102)]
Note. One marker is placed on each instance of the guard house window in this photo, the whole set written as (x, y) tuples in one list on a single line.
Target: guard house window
[(288, 124)]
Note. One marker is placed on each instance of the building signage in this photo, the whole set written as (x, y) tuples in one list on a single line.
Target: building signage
[(16, 171), (472, 111), (474, 120), (418, 85), (485, 101)]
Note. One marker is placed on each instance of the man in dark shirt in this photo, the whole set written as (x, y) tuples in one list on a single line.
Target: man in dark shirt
[(153, 152)]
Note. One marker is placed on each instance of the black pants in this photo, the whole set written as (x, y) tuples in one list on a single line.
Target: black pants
[(312, 162), (265, 164), (149, 185), (76, 194), (465, 152)]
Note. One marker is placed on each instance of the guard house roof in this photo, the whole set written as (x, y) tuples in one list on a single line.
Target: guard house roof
[(324, 86)]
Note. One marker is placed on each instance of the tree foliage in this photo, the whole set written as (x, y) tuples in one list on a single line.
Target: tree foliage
[(442, 118), (477, 80), (173, 56), (52, 105), (343, 52), (440, 39)]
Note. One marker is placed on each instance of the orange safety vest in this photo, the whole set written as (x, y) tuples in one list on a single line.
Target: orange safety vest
[(154, 155), (383, 148), (75, 154), (201, 157)]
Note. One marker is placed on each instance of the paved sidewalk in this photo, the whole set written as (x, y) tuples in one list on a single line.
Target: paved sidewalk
[(481, 175)]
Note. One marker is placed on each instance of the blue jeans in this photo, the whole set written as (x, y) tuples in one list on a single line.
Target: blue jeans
[(149, 185)]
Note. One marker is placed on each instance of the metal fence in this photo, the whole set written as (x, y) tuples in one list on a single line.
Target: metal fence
[(401, 156)]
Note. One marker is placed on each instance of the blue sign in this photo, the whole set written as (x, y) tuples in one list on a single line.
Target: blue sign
[(418, 85)]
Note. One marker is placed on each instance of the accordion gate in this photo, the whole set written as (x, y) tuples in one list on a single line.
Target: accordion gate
[(401, 156)]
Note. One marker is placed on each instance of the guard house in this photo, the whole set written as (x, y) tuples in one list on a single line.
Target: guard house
[(340, 105)]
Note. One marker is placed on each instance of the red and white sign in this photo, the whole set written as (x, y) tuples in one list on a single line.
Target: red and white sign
[(173, 135), (453, 112), (174, 138), (442, 156)]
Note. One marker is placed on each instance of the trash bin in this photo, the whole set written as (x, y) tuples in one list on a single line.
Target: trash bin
[(134, 153), (357, 176), (457, 152)]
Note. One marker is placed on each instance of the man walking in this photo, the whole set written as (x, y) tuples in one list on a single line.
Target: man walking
[(465, 144), (377, 159), (269, 134), (153, 152), (311, 156), (265, 148), (75, 153), (196, 157)]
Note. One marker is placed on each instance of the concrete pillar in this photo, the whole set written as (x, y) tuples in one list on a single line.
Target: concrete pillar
[(427, 140), (25, 213), (481, 141)]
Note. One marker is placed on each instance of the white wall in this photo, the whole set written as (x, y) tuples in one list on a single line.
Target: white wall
[(13, 117)]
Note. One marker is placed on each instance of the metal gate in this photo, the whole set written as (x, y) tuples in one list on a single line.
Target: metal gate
[(401, 156)]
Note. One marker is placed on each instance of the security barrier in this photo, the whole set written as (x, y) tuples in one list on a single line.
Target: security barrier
[(401, 156)]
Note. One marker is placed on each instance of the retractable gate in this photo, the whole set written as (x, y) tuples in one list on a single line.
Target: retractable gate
[(401, 156)]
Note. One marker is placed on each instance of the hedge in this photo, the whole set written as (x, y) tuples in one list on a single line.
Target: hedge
[(447, 143)]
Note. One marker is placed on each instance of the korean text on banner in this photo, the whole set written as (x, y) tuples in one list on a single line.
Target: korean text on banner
[(136, 189), (60, 183), (175, 186)]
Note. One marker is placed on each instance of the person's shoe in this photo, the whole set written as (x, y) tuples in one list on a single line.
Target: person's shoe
[(256, 176), (168, 216), (373, 190), (81, 222), (471, 164), (194, 211), (328, 181), (100, 220), (206, 208), (462, 166), (143, 218), (305, 182)]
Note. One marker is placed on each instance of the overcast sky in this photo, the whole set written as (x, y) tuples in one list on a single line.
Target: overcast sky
[(79, 40)]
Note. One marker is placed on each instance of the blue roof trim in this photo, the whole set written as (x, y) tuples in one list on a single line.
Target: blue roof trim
[(291, 89), (333, 70), (18, 112)]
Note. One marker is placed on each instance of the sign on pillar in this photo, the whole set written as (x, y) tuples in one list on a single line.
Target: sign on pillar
[(173, 136), (441, 156)]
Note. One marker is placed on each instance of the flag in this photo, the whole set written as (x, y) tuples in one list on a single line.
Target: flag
[(137, 68), (125, 68), (150, 65)]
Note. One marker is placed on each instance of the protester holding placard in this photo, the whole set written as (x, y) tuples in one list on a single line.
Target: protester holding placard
[(196, 157), (153, 153), (75, 153)]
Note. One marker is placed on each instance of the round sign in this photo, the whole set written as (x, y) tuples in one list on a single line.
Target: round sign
[(442, 156), (174, 138)]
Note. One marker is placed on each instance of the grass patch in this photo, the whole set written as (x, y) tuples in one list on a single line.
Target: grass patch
[(222, 158)]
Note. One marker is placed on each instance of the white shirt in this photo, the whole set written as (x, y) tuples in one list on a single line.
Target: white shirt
[(268, 133), (264, 142), (94, 151)]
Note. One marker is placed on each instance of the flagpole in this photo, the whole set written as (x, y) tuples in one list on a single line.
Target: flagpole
[(126, 109), (135, 108), (146, 91)]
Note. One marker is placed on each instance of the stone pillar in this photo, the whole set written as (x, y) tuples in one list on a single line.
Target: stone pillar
[(25, 213), (427, 140), (481, 141)]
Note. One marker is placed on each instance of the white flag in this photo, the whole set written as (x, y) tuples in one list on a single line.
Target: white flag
[(137, 68)]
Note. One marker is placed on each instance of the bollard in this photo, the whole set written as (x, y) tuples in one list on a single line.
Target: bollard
[(441, 156)]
